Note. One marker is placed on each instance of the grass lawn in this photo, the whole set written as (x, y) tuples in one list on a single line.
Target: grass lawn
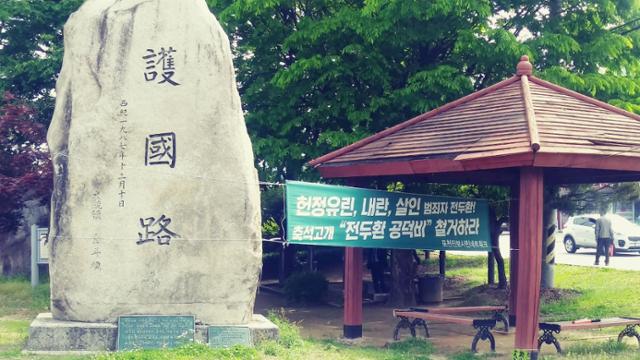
[(601, 293), (19, 304)]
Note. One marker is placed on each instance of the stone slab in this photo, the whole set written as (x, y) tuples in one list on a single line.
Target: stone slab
[(166, 220), (48, 336)]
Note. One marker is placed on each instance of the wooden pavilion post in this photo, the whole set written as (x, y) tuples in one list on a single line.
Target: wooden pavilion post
[(352, 327), (530, 263), (513, 252), (352, 293)]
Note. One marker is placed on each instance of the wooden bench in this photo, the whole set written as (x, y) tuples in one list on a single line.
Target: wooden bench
[(550, 328), (416, 317)]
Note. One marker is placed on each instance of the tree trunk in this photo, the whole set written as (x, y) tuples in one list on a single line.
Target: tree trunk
[(15, 254), (403, 272), (502, 275), (15, 248), (491, 261), (555, 14), (287, 263), (555, 9)]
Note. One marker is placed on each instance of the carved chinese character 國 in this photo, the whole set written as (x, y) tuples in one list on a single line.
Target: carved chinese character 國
[(156, 230), (161, 149)]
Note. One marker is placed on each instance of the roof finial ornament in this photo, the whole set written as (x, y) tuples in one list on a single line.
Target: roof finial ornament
[(524, 66)]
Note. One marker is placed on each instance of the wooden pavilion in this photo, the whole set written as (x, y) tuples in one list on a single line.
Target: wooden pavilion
[(523, 132)]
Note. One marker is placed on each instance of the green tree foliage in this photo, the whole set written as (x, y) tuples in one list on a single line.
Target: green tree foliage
[(317, 75), (31, 49), (590, 46)]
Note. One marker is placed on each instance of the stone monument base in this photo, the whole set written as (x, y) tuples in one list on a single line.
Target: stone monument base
[(50, 336)]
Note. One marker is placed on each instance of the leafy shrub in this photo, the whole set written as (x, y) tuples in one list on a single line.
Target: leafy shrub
[(521, 355), (289, 332), (306, 287), (270, 228)]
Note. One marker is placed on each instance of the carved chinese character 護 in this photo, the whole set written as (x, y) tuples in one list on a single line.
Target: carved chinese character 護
[(164, 57)]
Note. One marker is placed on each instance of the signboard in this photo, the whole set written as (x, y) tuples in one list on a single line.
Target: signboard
[(39, 252), (227, 336), (42, 248), (319, 214), (154, 331)]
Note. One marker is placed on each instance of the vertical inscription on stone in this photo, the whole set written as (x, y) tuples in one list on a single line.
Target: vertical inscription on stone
[(95, 253), (96, 210), (96, 214), (154, 332), (122, 179)]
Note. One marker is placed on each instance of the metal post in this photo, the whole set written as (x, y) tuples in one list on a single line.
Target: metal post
[(34, 256), (287, 255), (442, 259), (513, 249), (311, 259)]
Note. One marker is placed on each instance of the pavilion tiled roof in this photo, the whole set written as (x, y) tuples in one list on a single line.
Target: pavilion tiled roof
[(522, 117)]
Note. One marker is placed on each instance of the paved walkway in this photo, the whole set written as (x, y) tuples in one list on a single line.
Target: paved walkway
[(583, 257), (586, 257)]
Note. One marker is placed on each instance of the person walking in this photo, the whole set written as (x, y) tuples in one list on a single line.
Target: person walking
[(604, 238), (377, 263)]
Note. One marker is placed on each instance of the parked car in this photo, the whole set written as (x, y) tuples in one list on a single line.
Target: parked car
[(579, 232)]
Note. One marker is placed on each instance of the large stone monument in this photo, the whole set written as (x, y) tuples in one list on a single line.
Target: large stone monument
[(156, 205)]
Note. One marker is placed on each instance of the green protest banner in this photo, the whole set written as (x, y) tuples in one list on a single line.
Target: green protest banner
[(319, 214)]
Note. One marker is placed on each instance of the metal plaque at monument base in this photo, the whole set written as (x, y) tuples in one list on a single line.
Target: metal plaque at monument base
[(154, 331), (227, 336)]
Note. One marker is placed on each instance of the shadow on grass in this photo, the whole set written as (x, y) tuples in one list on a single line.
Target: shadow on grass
[(410, 349), (610, 349), (472, 356)]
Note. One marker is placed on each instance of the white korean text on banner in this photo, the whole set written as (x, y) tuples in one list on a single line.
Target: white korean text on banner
[(319, 214)]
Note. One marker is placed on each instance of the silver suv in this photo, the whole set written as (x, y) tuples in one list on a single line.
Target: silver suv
[(579, 232)]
